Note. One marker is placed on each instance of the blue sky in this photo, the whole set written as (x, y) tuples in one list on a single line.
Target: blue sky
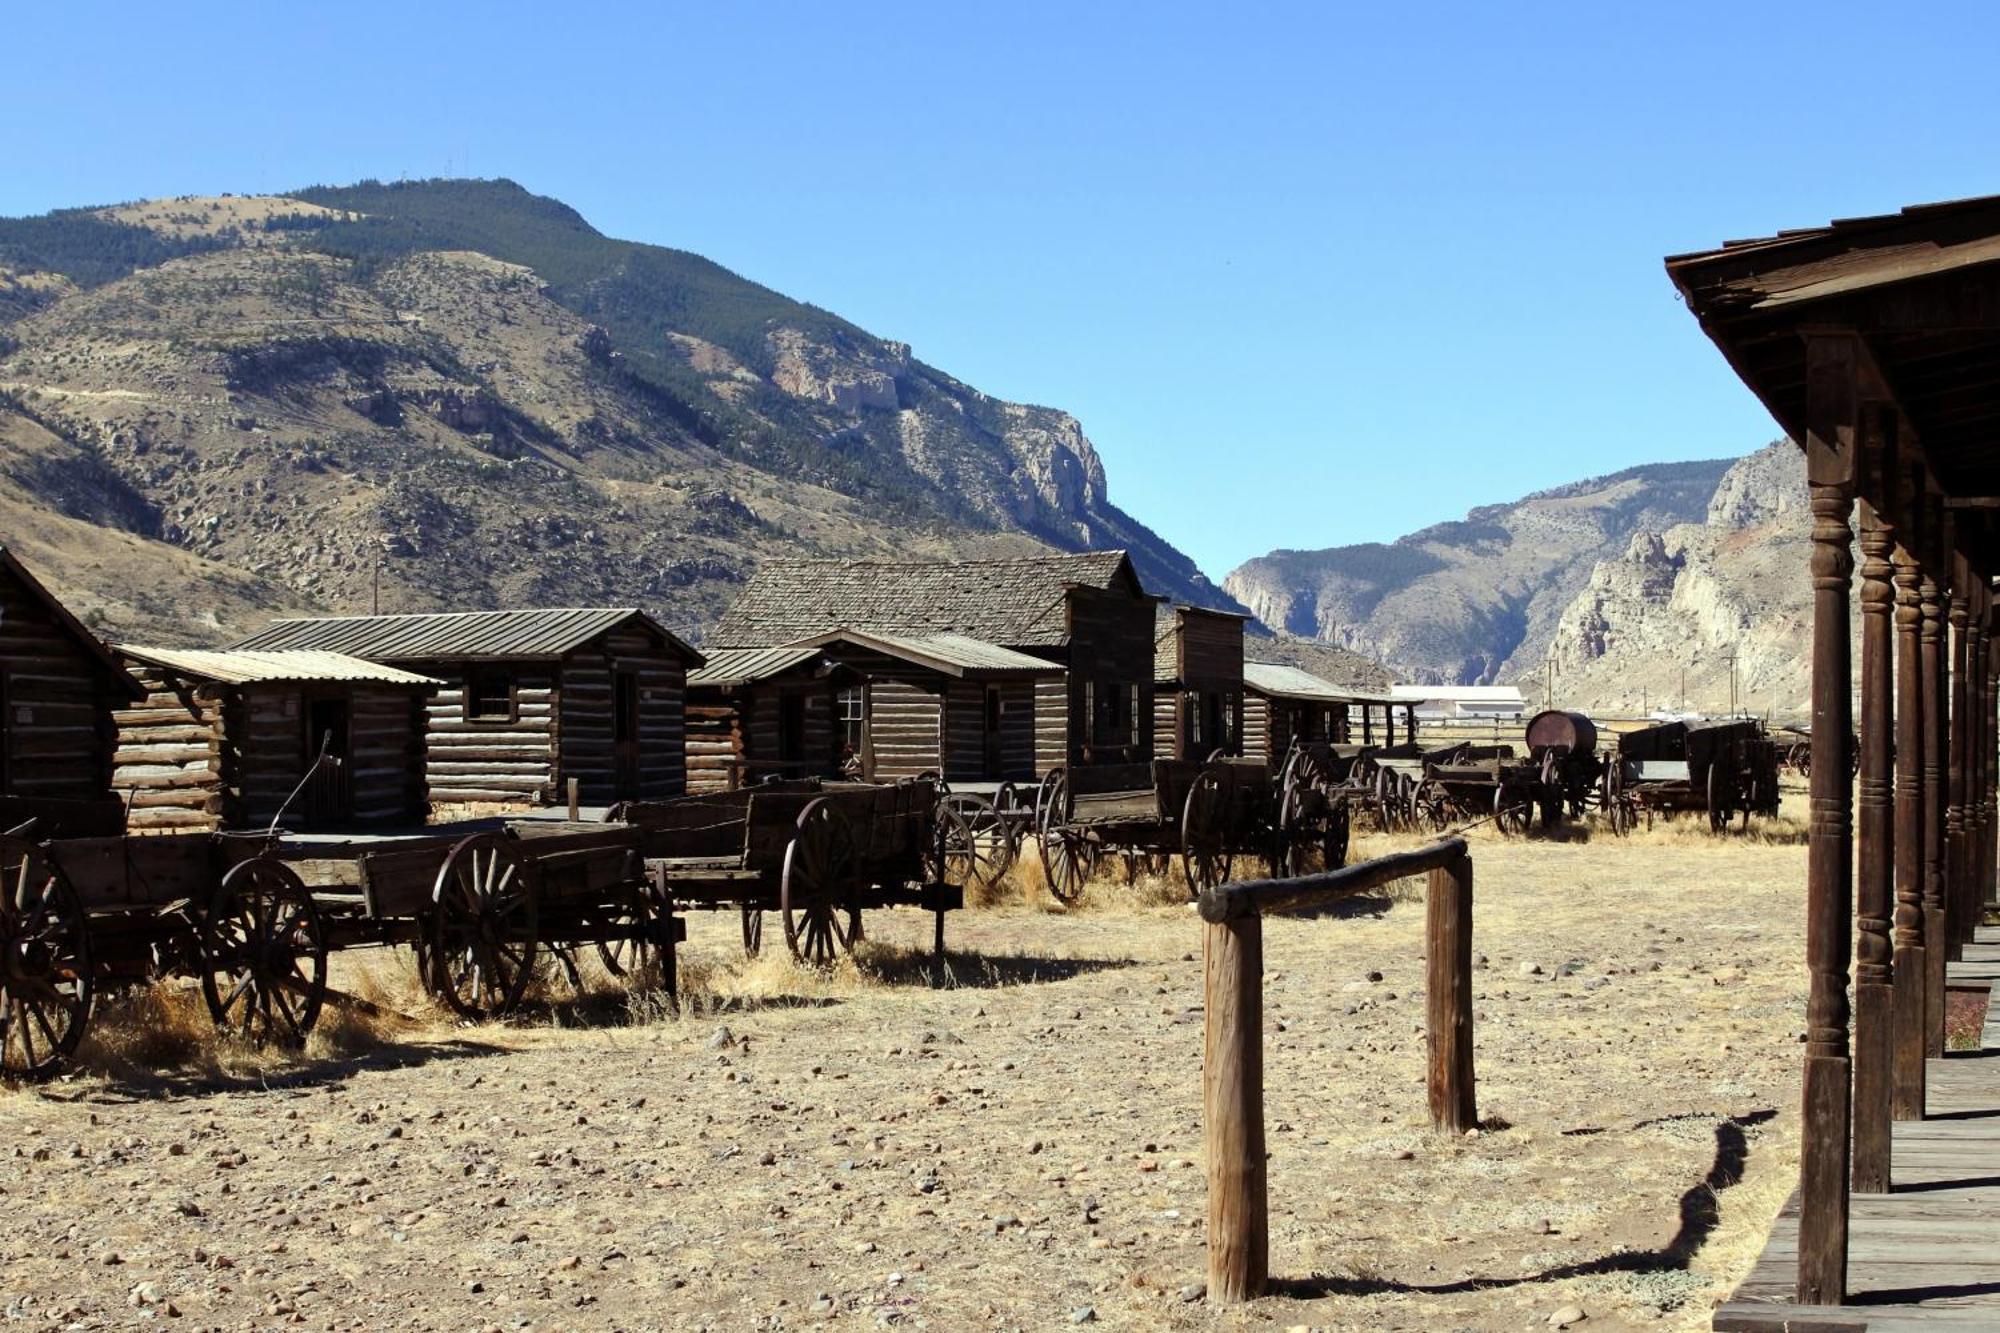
[(1308, 274)]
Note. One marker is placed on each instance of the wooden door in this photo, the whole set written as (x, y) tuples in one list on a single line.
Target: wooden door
[(329, 794), (625, 735)]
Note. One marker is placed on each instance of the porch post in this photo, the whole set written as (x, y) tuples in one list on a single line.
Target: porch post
[(1957, 753), (1874, 988), (1823, 1165), (1910, 969), (1931, 642)]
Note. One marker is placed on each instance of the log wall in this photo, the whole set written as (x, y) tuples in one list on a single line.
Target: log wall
[(56, 699), (1111, 642), (491, 760), (587, 712), (168, 763), (734, 732), (965, 756)]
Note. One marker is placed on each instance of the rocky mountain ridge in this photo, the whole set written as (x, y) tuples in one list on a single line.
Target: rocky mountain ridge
[(1477, 600), (457, 393)]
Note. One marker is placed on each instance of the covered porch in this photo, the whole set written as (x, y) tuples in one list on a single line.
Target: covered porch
[(1875, 343)]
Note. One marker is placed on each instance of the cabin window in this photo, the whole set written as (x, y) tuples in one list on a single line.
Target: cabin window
[(1113, 710), (489, 694), (625, 707), (850, 719), (791, 728)]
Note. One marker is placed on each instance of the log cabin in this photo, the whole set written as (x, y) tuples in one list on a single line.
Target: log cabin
[(59, 688), (1084, 613), (757, 713), (530, 699), (1198, 682), (1285, 703), (237, 740), (943, 703)]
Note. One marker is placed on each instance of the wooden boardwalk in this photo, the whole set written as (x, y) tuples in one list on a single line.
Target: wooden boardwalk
[(1927, 1256)]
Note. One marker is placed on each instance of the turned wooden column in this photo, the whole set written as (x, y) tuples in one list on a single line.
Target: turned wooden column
[(1930, 593), (1908, 927), (1875, 861), (1823, 1150), (1957, 752)]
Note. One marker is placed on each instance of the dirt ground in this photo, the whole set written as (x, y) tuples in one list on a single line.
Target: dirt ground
[(1021, 1150)]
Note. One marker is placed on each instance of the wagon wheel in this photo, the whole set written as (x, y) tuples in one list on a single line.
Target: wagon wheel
[(1205, 855), (753, 930), (1335, 841), (816, 896), (1432, 805), (629, 945), (1008, 805), (46, 983), (1718, 799), (483, 933), (1512, 811), (1066, 851), (263, 954), (977, 850)]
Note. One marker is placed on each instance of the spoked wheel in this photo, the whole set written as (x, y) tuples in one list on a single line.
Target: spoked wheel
[(263, 954), (629, 945), (1067, 860), (817, 894), (1512, 812), (1205, 853), (1433, 806), (977, 851), (45, 973), (753, 930), (1334, 842), (483, 933)]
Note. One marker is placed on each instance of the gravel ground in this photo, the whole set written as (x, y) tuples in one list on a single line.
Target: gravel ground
[(1021, 1150)]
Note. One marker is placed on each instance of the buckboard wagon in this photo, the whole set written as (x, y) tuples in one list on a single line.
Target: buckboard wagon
[(1724, 769), (1204, 813), (78, 914), (817, 854)]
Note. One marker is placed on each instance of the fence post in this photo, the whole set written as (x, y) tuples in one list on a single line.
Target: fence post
[(1233, 1108), (1448, 958), (575, 801)]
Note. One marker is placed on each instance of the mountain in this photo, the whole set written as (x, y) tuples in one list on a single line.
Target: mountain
[(459, 394), (1475, 601), (1668, 617)]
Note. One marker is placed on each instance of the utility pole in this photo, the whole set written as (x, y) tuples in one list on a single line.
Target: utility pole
[(1684, 690), (1731, 659), (376, 601)]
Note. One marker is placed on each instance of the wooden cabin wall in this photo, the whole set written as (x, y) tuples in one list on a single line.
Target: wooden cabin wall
[(585, 718), (489, 761), (715, 737), (766, 712), (1166, 722), (386, 769), (1111, 645), (1211, 651), (905, 725), (266, 753), (56, 700), (965, 732), (1052, 710), (168, 763)]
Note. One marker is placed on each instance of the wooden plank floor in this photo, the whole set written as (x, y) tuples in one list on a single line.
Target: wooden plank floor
[(1927, 1256)]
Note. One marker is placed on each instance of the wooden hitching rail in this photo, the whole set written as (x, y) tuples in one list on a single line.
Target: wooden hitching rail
[(1233, 1052)]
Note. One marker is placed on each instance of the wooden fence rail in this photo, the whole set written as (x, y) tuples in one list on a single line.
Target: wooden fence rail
[(1233, 1049)]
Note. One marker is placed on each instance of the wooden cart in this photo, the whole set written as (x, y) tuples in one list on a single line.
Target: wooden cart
[(78, 914), (1723, 769), (817, 854), (1206, 814), (1483, 782)]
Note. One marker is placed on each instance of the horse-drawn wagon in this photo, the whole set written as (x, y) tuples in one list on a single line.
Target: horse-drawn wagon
[(1723, 768)]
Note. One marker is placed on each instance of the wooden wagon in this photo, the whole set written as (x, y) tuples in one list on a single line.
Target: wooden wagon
[(1204, 814), (1724, 769), (78, 914), (1480, 782), (818, 854)]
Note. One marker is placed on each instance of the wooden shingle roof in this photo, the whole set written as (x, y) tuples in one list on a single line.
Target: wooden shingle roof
[(1018, 603), (485, 636)]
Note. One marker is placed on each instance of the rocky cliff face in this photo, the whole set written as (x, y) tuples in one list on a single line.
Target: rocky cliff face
[(1663, 619), (1474, 601), (461, 394)]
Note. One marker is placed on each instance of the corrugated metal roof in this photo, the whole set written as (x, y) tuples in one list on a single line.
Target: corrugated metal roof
[(1289, 682), (740, 666), (1018, 602), (953, 654), (239, 667), (463, 635)]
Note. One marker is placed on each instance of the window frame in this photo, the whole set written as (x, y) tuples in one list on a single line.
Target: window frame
[(469, 694)]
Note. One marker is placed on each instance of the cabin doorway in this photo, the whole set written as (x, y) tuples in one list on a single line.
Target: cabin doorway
[(625, 735), (328, 797), (991, 757)]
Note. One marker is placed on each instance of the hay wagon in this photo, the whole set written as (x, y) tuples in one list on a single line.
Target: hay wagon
[(1722, 769), (1205, 814), (79, 914), (817, 854)]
